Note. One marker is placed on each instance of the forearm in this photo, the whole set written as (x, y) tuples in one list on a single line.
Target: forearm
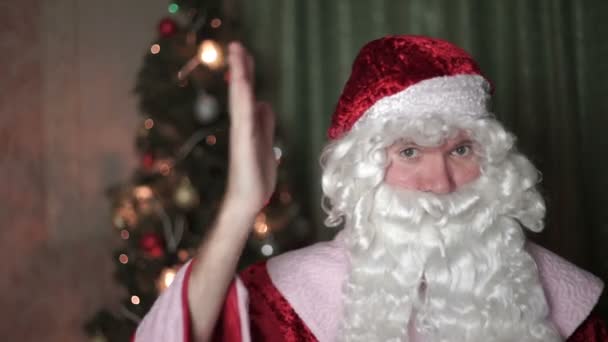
[(215, 265)]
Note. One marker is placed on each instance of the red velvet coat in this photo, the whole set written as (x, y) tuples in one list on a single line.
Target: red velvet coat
[(273, 319), (256, 310)]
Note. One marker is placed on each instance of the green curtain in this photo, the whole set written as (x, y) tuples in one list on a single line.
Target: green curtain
[(547, 58)]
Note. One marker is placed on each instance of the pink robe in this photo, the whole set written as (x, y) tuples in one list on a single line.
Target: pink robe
[(297, 297)]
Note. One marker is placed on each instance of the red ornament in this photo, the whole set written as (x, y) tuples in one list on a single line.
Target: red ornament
[(147, 161), (152, 245), (167, 27), (156, 253)]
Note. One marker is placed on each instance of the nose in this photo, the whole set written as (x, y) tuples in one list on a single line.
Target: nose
[(437, 177)]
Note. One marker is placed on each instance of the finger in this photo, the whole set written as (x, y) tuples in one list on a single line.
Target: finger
[(235, 61), (240, 61), (240, 92), (241, 98)]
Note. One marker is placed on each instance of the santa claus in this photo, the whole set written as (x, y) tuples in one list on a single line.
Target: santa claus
[(434, 198)]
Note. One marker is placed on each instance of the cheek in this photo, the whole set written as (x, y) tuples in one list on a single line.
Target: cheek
[(466, 173), (400, 175)]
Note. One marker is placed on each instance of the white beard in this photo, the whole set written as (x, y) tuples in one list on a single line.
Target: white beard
[(452, 267)]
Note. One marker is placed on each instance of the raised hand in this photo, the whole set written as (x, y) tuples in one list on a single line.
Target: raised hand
[(252, 165), (251, 180)]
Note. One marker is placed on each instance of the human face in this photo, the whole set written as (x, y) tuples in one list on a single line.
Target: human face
[(439, 169)]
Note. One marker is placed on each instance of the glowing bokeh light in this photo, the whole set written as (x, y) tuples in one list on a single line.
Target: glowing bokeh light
[(210, 53), (216, 22), (173, 8), (278, 153), (148, 123), (267, 250), (211, 140)]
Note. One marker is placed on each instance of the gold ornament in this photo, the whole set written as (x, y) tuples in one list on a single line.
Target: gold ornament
[(185, 196)]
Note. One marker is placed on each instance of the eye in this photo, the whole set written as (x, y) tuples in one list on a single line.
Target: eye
[(462, 151), (409, 152)]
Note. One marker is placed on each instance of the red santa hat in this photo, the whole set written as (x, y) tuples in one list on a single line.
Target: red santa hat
[(410, 76)]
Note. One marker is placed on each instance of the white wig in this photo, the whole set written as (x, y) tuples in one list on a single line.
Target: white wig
[(453, 266)]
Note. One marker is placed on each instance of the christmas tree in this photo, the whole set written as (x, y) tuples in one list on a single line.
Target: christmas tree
[(162, 213)]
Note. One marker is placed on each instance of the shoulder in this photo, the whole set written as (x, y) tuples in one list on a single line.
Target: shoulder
[(311, 281), (316, 269), (314, 264), (571, 292), (315, 261)]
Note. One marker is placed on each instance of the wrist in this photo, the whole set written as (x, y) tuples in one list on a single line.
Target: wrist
[(241, 205), (237, 212)]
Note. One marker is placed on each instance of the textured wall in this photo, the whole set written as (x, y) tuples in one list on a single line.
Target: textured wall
[(67, 124)]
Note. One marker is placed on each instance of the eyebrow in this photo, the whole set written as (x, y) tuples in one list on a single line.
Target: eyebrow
[(462, 141), (465, 141)]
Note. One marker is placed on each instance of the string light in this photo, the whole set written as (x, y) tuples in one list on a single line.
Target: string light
[(183, 255), (135, 300), (260, 227), (216, 22), (210, 53), (154, 49), (166, 278), (143, 193), (165, 168), (278, 153), (145, 199), (211, 140), (123, 258), (173, 8), (124, 234), (149, 123)]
